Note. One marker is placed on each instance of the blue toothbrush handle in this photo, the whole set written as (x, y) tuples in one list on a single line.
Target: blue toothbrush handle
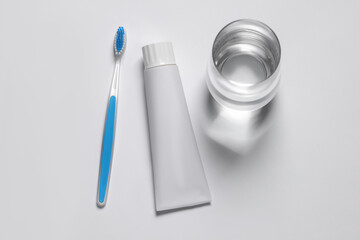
[(106, 155)]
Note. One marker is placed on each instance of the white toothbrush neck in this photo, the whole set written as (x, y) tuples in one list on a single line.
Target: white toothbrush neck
[(115, 81)]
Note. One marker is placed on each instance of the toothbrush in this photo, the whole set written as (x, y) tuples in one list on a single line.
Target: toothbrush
[(108, 140)]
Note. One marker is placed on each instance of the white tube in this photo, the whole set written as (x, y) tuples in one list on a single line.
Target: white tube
[(179, 178)]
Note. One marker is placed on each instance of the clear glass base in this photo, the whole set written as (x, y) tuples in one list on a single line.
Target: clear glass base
[(244, 66)]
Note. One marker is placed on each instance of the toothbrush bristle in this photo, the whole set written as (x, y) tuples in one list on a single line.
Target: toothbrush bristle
[(120, 41)]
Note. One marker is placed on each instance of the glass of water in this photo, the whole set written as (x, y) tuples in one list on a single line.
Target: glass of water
[(244, 73), (244, 69)]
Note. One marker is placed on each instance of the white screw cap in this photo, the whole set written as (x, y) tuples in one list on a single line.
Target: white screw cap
[(158, 54)]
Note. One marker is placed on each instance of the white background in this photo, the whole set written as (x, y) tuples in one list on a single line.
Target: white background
[(56, 64)]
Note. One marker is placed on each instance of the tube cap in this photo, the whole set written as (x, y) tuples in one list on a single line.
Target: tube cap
[(158, 54)]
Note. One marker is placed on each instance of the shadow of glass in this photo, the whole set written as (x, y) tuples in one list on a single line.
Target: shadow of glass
[(238, 131)]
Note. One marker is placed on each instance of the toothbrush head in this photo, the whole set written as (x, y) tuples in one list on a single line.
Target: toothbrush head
[(120, 42)]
